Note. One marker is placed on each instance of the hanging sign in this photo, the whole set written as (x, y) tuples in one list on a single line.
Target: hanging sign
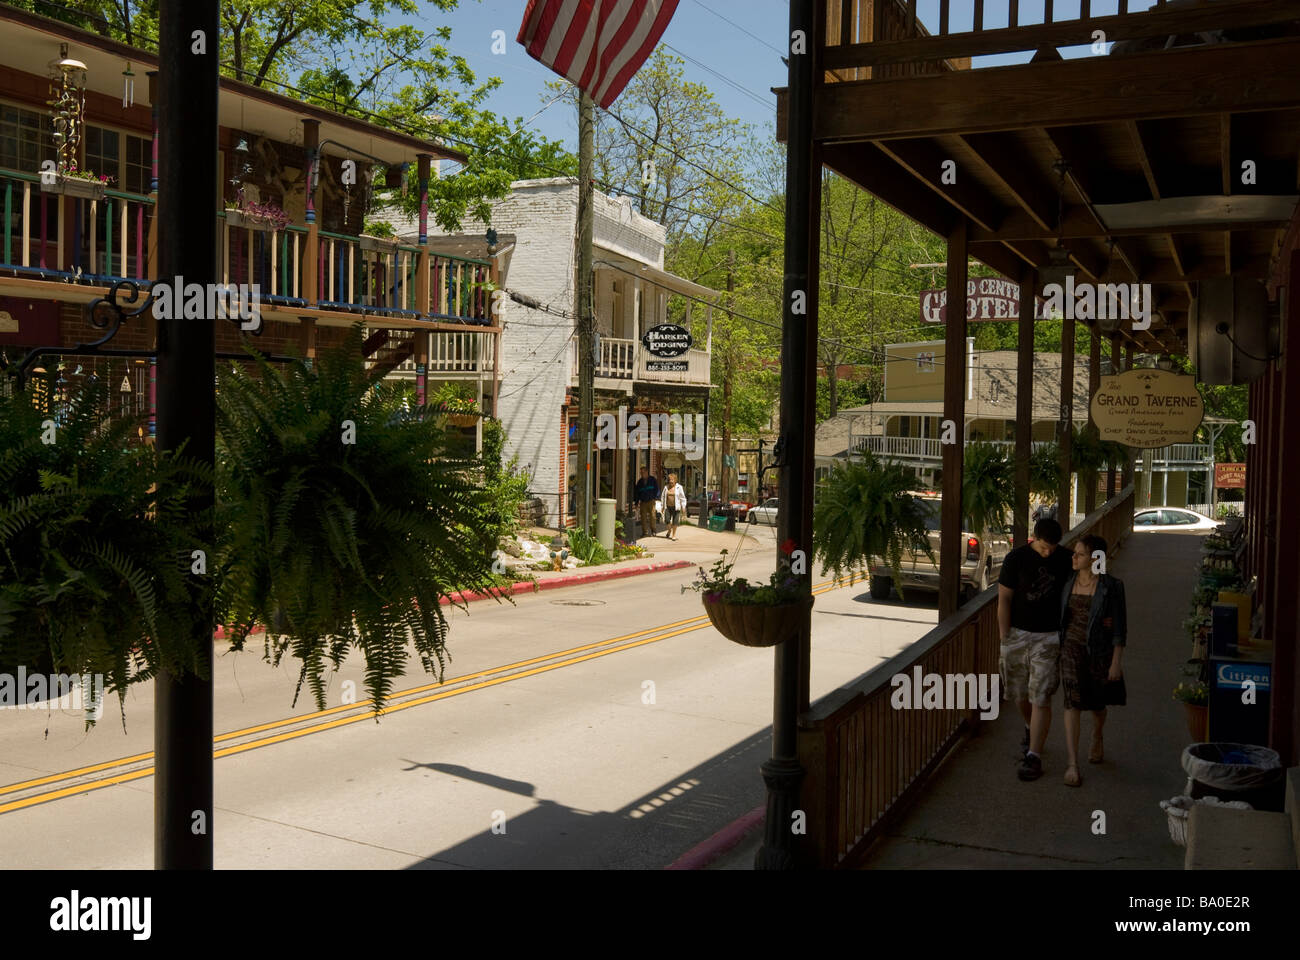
[(667, 366), (1147, 408), (987, 298), (1230, 476), (667, 340), (126, 385)]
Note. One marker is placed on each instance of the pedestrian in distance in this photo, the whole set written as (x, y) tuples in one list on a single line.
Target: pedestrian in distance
[(674, 504), (1094, 631), (1029, 623), (646, 491)]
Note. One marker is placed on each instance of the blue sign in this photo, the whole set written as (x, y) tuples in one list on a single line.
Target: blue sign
[(1233, 676)]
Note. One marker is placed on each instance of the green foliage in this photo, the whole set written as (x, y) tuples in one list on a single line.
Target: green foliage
[(587, 548), (864, 511), (1045, 471), (379, 228), (333, 545), (988, 487), (505, 486), (718, 587), (92, 527)]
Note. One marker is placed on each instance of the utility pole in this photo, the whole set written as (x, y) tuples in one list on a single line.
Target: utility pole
[(725, 487), (586, 324)]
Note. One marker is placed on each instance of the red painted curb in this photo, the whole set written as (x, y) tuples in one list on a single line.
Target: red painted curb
[(532, 586), (730, 836), (527, 586)]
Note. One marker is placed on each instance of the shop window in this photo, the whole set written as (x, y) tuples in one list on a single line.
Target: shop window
[(26, 138)]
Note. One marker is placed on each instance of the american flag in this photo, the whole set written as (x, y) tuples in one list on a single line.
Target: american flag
[(597, 44)]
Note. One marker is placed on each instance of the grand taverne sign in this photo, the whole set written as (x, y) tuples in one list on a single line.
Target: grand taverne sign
[(1147, 408)]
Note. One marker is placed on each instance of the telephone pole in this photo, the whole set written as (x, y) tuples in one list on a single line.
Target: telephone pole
[(725, 491), (586, 324)]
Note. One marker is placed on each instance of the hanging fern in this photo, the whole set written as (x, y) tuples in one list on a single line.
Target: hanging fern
[(91, 527), (335, 546)]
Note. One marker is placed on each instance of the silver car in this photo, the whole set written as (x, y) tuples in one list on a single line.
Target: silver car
[(765, 512), (1170, 519)]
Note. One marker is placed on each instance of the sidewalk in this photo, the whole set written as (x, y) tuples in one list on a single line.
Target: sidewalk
[(975, 813)]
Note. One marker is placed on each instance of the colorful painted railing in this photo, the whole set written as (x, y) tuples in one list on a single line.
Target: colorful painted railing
[(271, 259), (55, 233), (458, 288)]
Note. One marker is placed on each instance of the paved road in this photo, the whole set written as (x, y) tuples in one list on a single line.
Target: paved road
[(545, 727)]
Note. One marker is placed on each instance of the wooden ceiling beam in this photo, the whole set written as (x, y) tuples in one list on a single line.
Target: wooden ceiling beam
[(1005, 164), (1225, 152), (929, 165), (1080, 223), (1144, 156), (1170, 83)]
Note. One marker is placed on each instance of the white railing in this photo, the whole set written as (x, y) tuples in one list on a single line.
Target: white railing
[(617, 358), (460, 353), (919, 447), (621, 360)]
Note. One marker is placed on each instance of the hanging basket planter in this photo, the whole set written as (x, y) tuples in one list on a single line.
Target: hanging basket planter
[(242, 220), (462, 419), (756, 624)]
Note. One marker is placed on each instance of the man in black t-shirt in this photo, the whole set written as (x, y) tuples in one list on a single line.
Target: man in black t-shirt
[(1029, 618)]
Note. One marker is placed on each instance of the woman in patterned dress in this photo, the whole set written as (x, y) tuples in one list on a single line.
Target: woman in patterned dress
[(1093, 635)]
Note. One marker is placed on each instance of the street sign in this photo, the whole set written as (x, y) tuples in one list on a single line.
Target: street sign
[(667, 340), (1230, 476), (728, 460)]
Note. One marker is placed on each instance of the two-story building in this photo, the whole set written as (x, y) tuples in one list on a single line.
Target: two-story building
[(295, 184), (539, 367)]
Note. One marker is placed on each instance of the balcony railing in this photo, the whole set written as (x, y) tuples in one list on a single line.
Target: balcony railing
[(97, 241), (58, 237), (1182, 453), (917, 448), (873, 39)]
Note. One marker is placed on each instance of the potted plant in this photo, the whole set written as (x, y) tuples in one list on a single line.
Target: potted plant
[(455, 399), (1194, 696), (267, 217), (752, 614), (77, 183), (865, 511), (347, 519), (378, 236)]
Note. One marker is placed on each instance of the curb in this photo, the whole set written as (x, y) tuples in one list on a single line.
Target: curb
[(534, 586), (728, 838)]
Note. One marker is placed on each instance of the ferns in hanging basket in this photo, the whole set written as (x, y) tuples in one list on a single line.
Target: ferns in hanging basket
[(336, 545), (93, 529)]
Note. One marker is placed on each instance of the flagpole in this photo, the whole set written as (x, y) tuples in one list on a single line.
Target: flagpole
[(586, 324)]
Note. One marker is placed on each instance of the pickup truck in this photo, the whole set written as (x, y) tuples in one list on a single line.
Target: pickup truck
[(981, 560)]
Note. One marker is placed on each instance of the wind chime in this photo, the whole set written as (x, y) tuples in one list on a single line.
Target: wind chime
[(67, 107), (128, 87)]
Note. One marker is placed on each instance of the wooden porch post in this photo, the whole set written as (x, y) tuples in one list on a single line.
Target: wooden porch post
[(1024, 404), (311, 249), (151, 263), (1094, 383), (1114, 368), (422, 265), (954, 413), (494, 276), (1064, 506), (307, 338)]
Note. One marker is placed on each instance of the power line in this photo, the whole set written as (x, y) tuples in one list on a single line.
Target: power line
[(777, 50), (757, 98)]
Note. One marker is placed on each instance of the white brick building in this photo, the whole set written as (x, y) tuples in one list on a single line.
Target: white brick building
[(537, 401)]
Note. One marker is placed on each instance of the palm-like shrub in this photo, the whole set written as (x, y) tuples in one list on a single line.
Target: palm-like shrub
[(1089, 454), (1045, 471), (332, 544), (864, 510), (96, 537), (988, 486)]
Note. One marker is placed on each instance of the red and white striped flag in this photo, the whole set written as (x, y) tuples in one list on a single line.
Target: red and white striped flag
[(597, 44)]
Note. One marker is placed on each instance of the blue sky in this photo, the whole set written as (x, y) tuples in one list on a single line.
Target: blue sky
[(748, 59)]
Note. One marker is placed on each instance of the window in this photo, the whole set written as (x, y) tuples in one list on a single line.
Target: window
[(1176, 517), (137, 166), (26, 138), (104, 153), (925, 362), (1148, 519)]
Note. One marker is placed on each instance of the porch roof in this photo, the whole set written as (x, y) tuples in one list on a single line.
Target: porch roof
[(607, 259), (1155, 141)]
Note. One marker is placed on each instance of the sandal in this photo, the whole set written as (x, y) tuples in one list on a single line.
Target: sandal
[(1095, 754), (1072, 778)]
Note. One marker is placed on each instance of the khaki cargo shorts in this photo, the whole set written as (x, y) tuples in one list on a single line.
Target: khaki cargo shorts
[(1031, 666)]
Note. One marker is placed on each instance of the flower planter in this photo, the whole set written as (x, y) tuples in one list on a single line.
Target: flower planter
[(75, 187), (756, 625), (1198, 722), (462, 419), (238, 219)]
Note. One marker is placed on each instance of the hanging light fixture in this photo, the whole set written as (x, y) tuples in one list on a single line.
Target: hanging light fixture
[(128, 86), (1059, 267), (67, 107)]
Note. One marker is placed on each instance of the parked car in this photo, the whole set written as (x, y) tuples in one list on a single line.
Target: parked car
[(765, 512), (693, 503), (981, 562), (737, 508), (1168, 519)]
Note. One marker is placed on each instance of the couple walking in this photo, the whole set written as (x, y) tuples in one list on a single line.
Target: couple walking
[(1063, 622), (646, 490)]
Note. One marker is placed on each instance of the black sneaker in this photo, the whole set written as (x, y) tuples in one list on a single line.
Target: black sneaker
[(1031, 767), (1024, 743)]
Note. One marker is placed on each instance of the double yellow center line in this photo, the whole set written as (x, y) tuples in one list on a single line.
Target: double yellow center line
[(355, 712)]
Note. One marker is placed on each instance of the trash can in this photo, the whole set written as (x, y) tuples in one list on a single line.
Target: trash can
[(605, 510), (1236, 771)]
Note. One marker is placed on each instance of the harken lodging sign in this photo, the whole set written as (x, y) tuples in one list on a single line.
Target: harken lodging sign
[(667, 340), (1147, 408)]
